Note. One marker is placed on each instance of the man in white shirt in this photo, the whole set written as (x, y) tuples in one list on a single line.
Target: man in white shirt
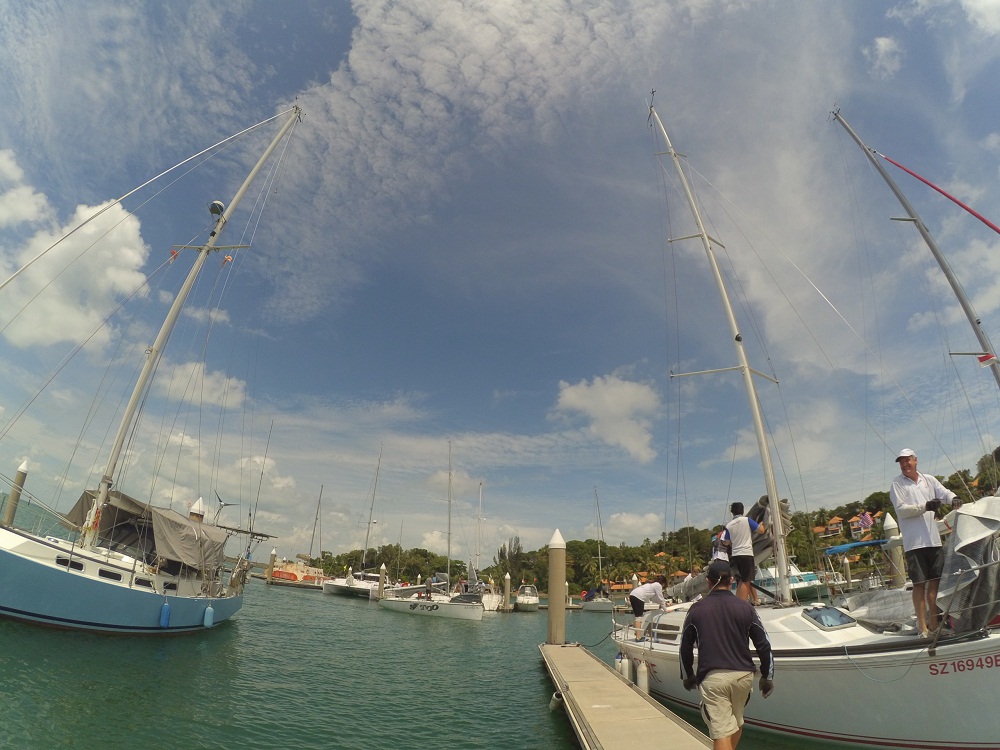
[(741, 531), (916, 498)]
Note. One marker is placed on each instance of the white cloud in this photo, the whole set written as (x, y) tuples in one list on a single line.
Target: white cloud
[(189, 381), (884, 56), (620, 412), (72, 288)]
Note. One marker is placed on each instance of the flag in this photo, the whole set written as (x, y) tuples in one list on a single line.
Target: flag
[(985, 360), (865, 520)]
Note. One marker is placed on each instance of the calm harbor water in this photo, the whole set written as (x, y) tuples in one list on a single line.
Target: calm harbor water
[(297, 670)]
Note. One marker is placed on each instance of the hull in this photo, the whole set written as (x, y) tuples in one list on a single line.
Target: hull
[(598, 604), (359, 589), (526, 605), (422, 607), (885, 679), (35, 588)]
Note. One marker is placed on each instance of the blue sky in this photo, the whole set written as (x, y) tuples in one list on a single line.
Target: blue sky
[(469, 244)]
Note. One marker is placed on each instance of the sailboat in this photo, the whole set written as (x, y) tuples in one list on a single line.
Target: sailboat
[(437, 600), (876, 679), (133, 568), (598, 601), (492, 599), (299, 573), (364, 583)]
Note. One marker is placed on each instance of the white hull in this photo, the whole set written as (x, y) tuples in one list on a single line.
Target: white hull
[(880, 684), (598, 604), (435, 608), (87, 599), (492, 602), (361, 589), (526, 599)]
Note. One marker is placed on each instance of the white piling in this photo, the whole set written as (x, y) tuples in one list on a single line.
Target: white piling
[(557, 582)]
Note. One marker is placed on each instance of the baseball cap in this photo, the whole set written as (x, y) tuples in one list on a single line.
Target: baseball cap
[(905, 453), (717, 569)]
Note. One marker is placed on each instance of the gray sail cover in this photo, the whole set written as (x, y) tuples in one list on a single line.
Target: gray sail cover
[(193, 543), (971, 577)]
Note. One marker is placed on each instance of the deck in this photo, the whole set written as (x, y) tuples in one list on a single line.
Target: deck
[(606, 711)]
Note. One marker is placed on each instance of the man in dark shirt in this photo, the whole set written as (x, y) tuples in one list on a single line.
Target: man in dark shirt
[(721, 625)]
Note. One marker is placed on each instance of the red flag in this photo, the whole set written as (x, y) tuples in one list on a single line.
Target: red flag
[(985, 360)]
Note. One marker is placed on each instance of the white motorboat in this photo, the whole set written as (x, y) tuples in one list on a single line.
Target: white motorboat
[(526, 599), (890, 676), (133, 568)]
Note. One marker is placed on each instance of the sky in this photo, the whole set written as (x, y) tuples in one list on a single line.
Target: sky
[(466, 258)]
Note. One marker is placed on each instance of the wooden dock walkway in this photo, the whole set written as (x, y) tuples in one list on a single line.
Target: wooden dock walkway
[(606, 711)]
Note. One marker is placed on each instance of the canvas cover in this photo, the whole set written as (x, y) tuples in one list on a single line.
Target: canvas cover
[(154, 532), (196, 544)]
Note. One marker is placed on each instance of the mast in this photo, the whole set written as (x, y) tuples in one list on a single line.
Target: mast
[(780, 552), (449, 519), (479, 530), (155, 351), (956, 286), (315, 524), (600, 538), (371, 510)]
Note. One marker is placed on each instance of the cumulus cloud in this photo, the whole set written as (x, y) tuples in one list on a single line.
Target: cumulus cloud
[(884, 56), (191, 381), (620, 412), (69, 292)]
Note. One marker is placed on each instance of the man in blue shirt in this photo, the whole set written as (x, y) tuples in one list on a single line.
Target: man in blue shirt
[(722, 626)]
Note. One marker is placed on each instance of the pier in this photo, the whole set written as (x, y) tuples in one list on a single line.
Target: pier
[(606, 711)]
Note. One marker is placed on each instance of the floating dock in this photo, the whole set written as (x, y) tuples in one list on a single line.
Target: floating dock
[(606, 711)]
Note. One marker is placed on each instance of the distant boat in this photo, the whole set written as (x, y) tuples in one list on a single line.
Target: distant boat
[(492, 599), (364, 584), (300, 573), (135, 568), (526, 599), (438, 602), (598, 600)]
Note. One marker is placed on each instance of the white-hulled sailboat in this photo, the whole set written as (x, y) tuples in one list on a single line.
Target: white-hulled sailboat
[(598, 601), (133, 568), (824, 654), (437, 601)]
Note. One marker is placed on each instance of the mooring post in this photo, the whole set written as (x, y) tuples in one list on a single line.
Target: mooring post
[(557, 585)]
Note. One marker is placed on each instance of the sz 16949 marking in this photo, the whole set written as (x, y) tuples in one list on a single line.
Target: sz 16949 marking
[(964, 665)]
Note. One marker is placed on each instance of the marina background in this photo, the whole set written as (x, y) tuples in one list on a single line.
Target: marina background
[(297, 669)]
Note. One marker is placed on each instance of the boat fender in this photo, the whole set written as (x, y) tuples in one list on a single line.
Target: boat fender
[(642, 676), (556, 701), (620, 663), (165, 615), (209, 620), (627, 669)]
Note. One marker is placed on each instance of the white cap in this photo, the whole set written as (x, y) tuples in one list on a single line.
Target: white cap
[(905, 453)]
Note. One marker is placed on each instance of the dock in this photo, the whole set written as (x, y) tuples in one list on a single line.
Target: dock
[(608, 712)]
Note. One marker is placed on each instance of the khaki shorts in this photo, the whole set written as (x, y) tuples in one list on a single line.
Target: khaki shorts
[(724, 693)]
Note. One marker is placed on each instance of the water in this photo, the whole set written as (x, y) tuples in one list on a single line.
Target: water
[(297, 669)]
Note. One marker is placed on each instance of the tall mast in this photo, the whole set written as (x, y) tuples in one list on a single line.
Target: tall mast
[(449, 518), (600, 538), (479, 530), (956, 286), (780, 552), (371, 510), (155, 351), (315, 524)]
